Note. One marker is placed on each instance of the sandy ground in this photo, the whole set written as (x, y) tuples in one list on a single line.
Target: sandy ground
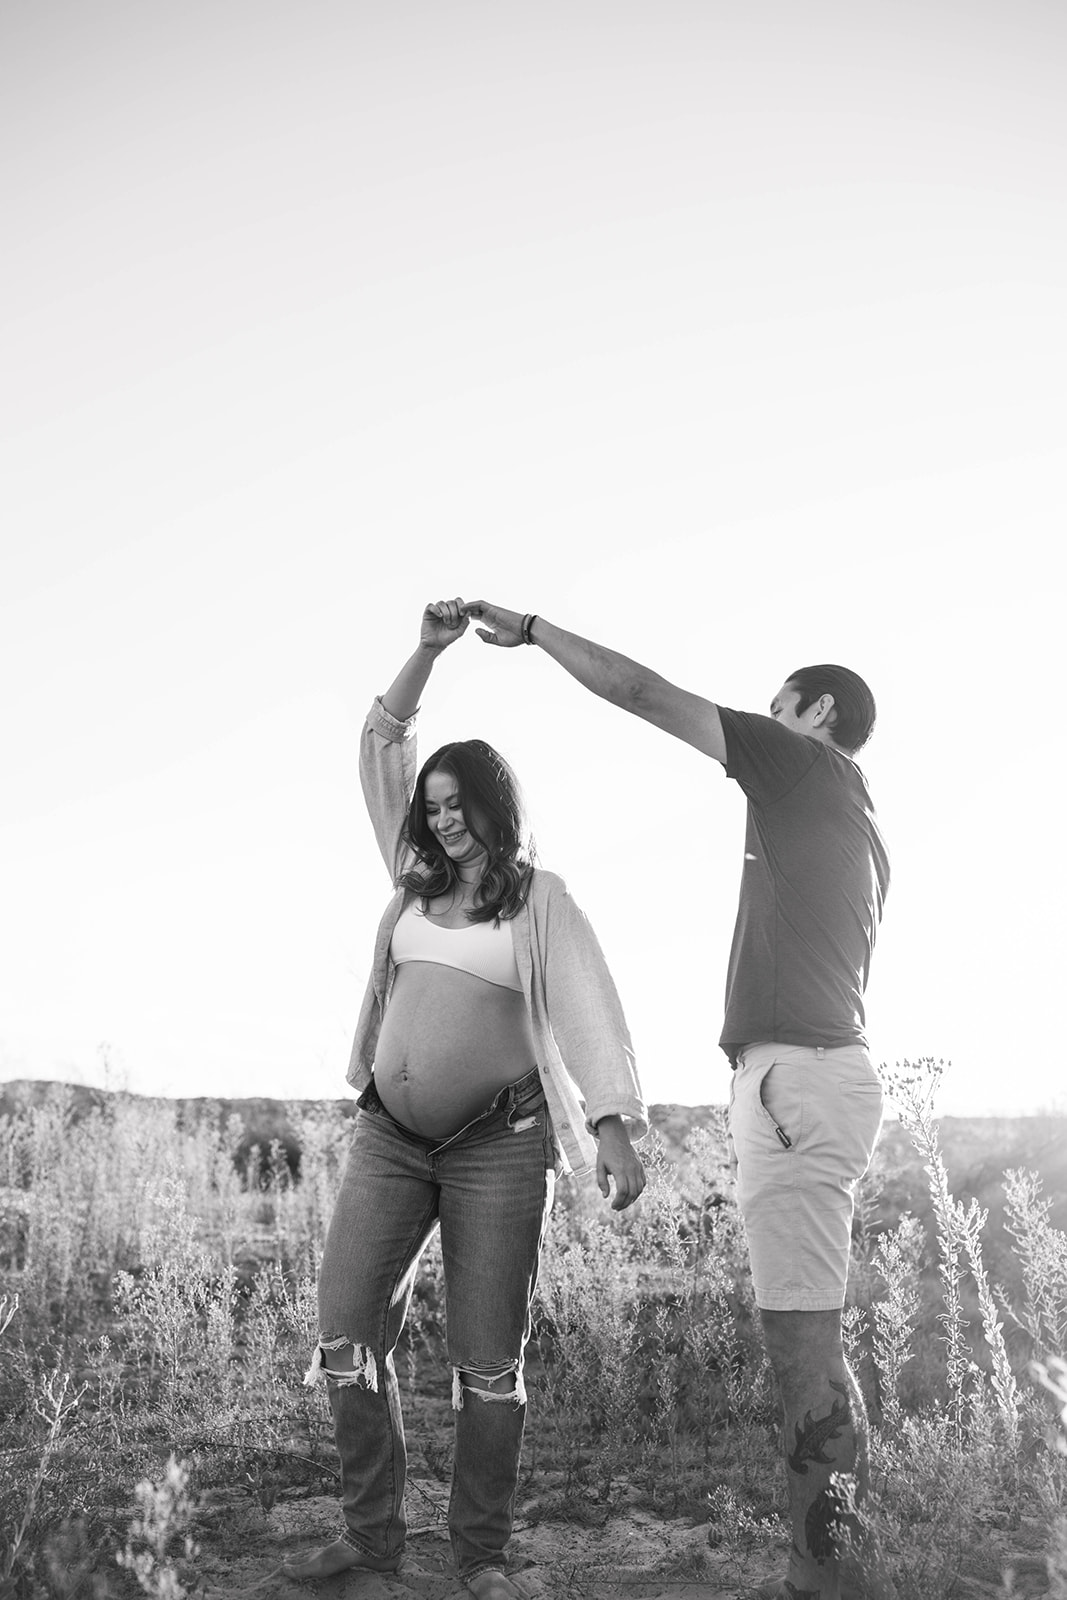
[(634, 1554)]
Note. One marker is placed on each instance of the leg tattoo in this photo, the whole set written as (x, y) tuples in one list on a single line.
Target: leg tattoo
[(812, 1436)]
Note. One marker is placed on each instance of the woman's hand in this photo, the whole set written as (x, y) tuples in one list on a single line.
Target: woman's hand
[(618, 1159), (443, 622)]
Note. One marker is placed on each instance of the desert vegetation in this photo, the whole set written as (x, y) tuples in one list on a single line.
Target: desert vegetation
[(157, 1308)]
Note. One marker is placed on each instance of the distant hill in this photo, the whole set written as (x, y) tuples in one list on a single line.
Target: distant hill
[(268, 1120), (976, 1150)]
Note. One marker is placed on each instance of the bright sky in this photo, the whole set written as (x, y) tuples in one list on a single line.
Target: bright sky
[(731, 336)]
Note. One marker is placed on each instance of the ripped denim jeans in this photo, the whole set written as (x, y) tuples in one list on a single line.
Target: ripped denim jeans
[(490, 1189)]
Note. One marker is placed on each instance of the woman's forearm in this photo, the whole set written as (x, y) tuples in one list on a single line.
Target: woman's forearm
[(443, 621), (402, 697)]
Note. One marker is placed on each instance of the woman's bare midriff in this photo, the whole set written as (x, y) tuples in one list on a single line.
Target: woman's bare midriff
[(449, 1043)]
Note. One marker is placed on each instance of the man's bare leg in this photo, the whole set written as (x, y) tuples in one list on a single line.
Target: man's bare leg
[(825, 1431)]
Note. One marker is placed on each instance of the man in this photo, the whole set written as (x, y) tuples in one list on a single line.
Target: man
[(805, 1102)]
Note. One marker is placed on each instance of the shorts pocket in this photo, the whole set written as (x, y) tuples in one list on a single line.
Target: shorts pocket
[(781, 1103), (761, 1126)]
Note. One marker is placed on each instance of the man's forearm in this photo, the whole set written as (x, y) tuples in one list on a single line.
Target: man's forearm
[(614, 677), (605, 672)]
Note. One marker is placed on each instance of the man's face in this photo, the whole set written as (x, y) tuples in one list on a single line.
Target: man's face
[(784, 710)]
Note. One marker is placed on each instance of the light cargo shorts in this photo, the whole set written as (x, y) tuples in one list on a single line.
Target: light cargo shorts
[(804, 1121)]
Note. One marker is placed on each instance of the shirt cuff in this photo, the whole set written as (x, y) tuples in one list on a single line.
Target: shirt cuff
[(633, 1113), (390, 727)]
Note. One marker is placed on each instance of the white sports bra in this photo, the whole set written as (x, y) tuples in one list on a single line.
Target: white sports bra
[(485, 949)]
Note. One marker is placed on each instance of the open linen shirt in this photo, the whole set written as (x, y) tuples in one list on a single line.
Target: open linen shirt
[(583, 1044)]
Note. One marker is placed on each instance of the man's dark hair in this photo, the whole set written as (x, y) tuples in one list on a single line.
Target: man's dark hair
[(854, 709)]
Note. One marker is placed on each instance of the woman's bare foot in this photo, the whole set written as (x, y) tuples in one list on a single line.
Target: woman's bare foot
[(493, 1585), (331, 1559)]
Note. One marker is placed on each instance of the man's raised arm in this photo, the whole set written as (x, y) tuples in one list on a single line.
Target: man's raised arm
[(612, 676)]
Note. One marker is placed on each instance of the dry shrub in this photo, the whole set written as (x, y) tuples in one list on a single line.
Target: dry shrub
[(166, 1285)]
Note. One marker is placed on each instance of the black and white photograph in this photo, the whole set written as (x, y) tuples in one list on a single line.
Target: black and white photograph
[(531, 907)]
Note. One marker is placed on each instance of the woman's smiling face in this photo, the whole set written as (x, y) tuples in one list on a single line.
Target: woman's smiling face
[(445, 819)]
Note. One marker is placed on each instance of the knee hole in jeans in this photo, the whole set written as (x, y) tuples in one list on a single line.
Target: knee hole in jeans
[(343, 1362), (502, 1382)]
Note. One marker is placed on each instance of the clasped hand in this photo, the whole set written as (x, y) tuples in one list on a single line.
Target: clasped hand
[(445, 621)]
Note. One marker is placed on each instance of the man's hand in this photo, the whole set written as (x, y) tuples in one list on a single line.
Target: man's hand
[(443, 622), (617, 1159), (504, 627)]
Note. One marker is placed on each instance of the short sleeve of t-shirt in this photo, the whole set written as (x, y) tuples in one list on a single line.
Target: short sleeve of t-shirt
[(766, 759)]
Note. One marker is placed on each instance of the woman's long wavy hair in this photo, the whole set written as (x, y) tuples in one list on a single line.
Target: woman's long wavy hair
[(494, 814)]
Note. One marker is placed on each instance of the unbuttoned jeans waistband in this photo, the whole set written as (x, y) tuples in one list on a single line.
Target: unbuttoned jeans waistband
[(526, 1092)]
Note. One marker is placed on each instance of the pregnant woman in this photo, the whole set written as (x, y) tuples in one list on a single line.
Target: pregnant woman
[(488, 1009)]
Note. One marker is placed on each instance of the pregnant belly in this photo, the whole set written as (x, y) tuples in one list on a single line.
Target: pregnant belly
[(449, 1043)]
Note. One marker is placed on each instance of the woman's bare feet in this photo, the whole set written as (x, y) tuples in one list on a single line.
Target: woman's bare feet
[(334, 1558), (493, 1585)]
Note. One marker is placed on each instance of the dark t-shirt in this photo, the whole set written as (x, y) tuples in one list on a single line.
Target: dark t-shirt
[(816, 875)]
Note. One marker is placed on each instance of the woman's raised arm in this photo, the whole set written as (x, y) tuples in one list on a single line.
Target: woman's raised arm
[(387, 755), (443, 622)]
